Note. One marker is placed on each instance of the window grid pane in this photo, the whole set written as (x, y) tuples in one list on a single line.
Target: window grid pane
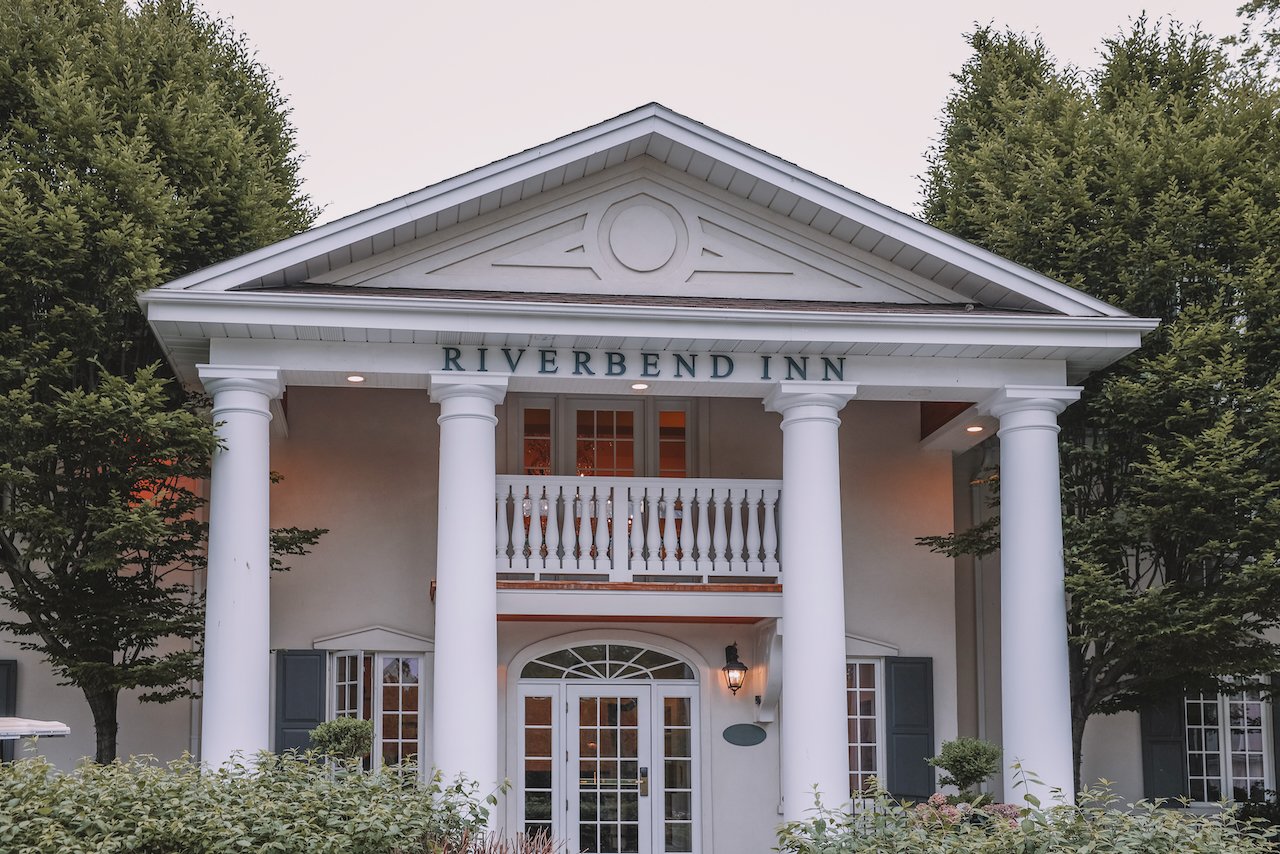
[(536, 441), (604, 444), (673, 453), (346, 685), (400, 681), (1226, 746), (864, 752)]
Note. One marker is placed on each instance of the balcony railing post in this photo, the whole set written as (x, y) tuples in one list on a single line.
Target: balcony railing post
[(752, 504), (503, 532), (770, 539), (702, 500)]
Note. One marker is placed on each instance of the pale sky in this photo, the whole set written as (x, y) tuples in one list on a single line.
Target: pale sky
[(392, 95)]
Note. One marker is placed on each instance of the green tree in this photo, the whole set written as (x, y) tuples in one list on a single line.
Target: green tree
[(1152, 182), (138, 141)]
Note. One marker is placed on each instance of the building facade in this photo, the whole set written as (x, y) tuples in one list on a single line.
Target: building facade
[(589, 425)]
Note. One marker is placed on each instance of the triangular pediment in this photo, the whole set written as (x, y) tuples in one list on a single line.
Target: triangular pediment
[(641, 229)]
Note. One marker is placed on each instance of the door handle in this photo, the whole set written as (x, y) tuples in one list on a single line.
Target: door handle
[(643, 782)]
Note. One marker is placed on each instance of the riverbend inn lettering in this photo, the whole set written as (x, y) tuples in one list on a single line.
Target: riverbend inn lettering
[(642, 364)]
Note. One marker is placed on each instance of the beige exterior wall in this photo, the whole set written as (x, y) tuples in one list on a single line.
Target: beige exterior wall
[(362, 463), (1113, 752)]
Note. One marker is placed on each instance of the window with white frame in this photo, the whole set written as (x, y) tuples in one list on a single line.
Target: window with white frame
[(602, 437), (1228, 746), (384, 688), (863, 697)]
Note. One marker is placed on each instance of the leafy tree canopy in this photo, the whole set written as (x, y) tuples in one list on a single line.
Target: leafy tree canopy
[(1152, 182), (138, 142)]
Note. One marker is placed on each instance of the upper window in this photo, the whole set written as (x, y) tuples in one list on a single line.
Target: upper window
[(386, 689), (1228, 746), (602, 437)]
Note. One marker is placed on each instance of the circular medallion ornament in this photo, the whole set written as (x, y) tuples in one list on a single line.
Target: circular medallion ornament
[(744, 735), (643, 238)]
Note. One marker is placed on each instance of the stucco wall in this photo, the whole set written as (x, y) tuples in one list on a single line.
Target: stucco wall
[(897, 592), (1113, 752), (362, 463)]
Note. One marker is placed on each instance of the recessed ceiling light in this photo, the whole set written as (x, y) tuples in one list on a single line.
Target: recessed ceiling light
[(639, 386), (355, 378), (974, 428)]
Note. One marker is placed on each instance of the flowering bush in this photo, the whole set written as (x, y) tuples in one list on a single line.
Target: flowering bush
[(1097, 825), (943, 809)]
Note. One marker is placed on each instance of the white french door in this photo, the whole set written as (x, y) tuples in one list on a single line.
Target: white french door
[(609, 767), (609, 763)]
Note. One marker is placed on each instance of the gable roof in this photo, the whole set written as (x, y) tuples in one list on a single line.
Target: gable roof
[(681, 144)]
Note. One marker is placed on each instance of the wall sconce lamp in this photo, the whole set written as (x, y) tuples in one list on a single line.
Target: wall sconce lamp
[(735, 672)]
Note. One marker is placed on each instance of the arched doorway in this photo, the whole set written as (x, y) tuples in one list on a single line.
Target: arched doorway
[(608, 748)]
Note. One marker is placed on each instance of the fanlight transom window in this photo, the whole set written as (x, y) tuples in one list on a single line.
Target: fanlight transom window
[(606, 661)]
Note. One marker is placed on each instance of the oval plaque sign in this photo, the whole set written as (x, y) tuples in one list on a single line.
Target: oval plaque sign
[(744, 735)]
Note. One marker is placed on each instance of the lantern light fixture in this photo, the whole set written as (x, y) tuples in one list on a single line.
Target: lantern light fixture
[(735, 672)]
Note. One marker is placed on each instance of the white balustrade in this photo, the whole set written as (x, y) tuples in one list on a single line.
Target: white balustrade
[(621, 528)]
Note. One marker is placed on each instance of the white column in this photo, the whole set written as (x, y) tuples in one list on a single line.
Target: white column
[(236, 714), (1034, 682), (815, 734), (465, 701)]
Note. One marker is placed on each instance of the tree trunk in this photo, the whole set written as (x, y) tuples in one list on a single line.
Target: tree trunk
[(106, 723), (1078, 719)]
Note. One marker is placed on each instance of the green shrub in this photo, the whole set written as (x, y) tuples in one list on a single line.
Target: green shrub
[(343, 738), (1096, 826), (968, 762), (1265, 812), (284, 804)]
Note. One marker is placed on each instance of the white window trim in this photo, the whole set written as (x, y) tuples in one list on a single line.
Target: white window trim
[(379, 655), (1226, 779), (562, 433)]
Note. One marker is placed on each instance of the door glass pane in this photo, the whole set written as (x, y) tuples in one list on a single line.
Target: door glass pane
[(537, 766), (608, 783), (677, 740)]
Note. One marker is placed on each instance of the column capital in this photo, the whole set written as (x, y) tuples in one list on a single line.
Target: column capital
[(262, 379), (785, 396), (448, 384), (1052, 399)]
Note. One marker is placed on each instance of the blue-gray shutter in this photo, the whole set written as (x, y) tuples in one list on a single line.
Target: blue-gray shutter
[(300, 707), (1164, 751), (909, 727), (8, 702)]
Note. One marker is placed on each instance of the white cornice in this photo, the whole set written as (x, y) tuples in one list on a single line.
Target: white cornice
[(408, 313)]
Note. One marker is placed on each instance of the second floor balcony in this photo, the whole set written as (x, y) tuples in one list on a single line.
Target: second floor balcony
[(637, 529)]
